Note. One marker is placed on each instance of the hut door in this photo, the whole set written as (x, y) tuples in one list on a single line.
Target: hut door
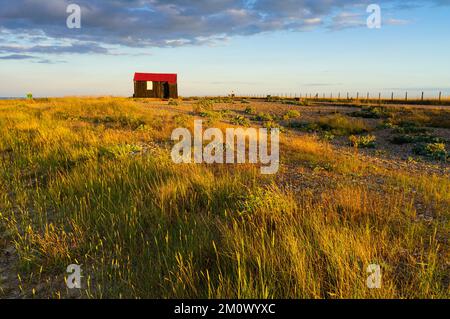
[(166, 90)]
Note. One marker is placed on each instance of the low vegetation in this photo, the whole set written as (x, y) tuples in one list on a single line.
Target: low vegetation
[(90, 181), (433, 150), (366, 141)]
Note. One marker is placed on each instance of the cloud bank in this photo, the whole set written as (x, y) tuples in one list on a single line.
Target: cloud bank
[(26, 24)]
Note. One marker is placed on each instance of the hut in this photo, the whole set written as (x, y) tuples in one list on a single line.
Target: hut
[(155, 85)]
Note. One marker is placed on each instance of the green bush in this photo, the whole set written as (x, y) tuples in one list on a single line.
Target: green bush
[(250, 110), (264, 117), (410, 128), (291, 114), (327, 136), (367, 141), (203, 104), (372, 113), (272, 98), (211, 115), (240, 120), (409, 139), (271, 124), (290, 102), (435, 151)]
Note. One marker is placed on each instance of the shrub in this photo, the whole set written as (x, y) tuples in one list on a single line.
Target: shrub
[(327, 136), (435, 151), (305, 102), (240, 120), (264, 117), (203, 104), (372, 113), (367, 141), (386, 125), (272, 98), (271, 124), (289, 102), (409, 128), (180, 120), (291, 114), (173, 102), (408, 139), (211, 115), (250, 110)]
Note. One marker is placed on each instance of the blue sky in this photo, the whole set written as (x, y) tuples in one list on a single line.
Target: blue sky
[(219, 46)]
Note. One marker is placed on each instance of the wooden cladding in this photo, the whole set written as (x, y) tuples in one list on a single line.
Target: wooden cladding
[(161, 90)]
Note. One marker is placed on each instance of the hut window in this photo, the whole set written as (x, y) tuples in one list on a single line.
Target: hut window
[(149, 85)]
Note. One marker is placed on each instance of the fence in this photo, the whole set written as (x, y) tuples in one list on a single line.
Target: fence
[(391, 97)]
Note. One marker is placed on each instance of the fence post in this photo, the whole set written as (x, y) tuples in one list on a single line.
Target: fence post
[(422, 96), (440, 96), (348, 96), (406, 96), (392, 96), (367, 96), (339, 96)]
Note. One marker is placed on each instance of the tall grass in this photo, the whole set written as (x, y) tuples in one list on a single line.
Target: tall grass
[(142, 227)]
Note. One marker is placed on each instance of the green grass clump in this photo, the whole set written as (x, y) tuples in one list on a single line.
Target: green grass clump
[(341, 125)]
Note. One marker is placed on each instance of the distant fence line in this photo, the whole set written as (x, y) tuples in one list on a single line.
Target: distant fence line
[(355, 96)]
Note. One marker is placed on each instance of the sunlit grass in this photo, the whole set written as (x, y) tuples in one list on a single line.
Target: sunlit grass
[(90, 181)]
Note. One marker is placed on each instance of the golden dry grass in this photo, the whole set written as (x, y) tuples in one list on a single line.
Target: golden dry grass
[(90, 181)]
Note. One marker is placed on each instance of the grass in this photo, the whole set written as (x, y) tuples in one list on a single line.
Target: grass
[(90, 181), (341, 125)]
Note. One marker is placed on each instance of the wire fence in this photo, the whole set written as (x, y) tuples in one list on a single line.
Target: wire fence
[(392, 96)]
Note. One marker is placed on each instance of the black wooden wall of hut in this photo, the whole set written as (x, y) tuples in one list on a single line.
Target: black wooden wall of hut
[(161, 90)]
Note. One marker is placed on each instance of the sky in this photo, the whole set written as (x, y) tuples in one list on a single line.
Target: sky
[(221, 46)]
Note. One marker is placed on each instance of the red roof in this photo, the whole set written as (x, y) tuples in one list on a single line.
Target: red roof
[(156, 77)]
